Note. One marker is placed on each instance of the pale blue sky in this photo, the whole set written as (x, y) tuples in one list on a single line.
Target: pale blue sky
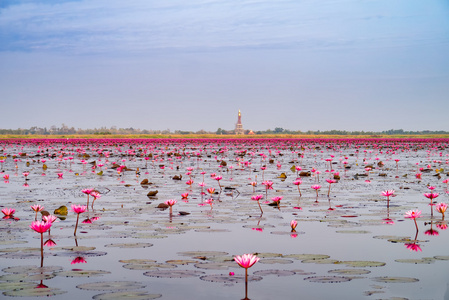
[(368, 65)]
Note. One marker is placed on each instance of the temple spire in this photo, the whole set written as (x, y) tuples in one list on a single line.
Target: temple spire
[(239, 126)]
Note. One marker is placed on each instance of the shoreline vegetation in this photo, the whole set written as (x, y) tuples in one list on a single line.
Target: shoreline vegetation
[(227, 136)]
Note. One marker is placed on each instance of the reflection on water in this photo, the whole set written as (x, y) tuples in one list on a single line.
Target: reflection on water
[(357, 239)]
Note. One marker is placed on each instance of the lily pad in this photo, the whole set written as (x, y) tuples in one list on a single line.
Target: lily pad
[(216, 265), (279, 273), (35, 292), (202, 253), (111, 286), (307, 256), (389, 279), (275, 261), (135, 295), (130, 245), (363, 264), (425, 260), (328, 279), (350, 271), (173, 273), (82, 273), (229, 279)]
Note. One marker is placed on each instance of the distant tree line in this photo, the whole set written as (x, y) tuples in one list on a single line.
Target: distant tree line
[(65, 130)]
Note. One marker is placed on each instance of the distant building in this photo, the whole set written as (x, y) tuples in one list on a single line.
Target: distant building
[(238, 125)]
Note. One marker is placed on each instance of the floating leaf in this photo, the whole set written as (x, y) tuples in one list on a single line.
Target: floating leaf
[(111, 286), (130, 245), (173, 273), (328, 279), (350, 271), (353, 231), (202, 253), (181, 261), (229, 279), (388, 279), (278, 273), (320, 261), (425, 260), (275, 261), (35, 292), (363, 264), (135, 295), (82, 273), (216, 265), (307, 256)]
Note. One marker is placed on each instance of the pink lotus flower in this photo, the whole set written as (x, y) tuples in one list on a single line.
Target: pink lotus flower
[(78, 209), (246, 260), (185, 195), (37, 208), (8, 211), (387, 193), (211, 190), (40, 226), (6, 176), (209, 201), (431, 196), (170, 202), (50, 218), (268, 184), (257, 198), (87, 192), (413, 214), (60, 175), (277, 200), (293, 225), (441, 208), (316, 187), (96, 195)]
